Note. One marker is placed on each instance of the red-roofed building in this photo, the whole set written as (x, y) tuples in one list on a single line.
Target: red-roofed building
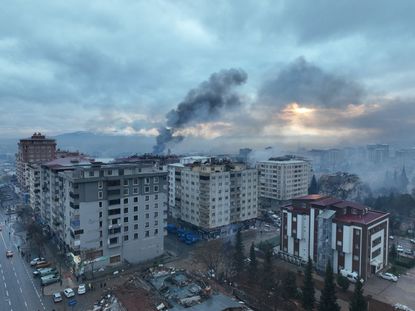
[(351, 236)]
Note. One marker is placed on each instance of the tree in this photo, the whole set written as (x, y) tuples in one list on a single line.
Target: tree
[(253, 264), (289, 285), (393, 252), (313, 189), (211, 254), (239, 254), (358, 302), (328, 294), (343, 282), (308, 298), (267, 272)]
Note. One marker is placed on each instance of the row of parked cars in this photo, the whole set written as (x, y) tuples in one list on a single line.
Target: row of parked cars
[(45, 271)]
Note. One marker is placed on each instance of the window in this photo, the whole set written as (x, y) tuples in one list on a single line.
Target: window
[(135, 181), (125, 219), (135, 190), (91, 173), (114, 240), (100, 195), (156, 197), (126, 191), (100, 184), (135, 208), (147, 198), (125, 237), (156, 188), (126, 182), (125, 228), (109, 172), (147, 216), (135, 199), (339, 243), (135, 217), (114, 202), (147, 234), (100, 204), (100, 214), (376, 241), (376, 253), (156, 231), (114, 211), (100, 224), (155, 180), (147, 224), (156, 205), (126, 201), (125, 210), (135, 236), (136, 227), (147, 207), (146, 189), (156, 214), (146, 180), (356, 258)]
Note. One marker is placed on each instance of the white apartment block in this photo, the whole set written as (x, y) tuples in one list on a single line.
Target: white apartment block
[(212, 195), (282, 179)]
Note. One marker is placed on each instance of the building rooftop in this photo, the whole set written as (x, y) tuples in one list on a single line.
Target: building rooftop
[(346, 211), (290, 161), (69, 161)]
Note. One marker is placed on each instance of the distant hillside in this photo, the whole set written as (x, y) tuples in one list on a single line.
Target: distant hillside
[(103, 145)]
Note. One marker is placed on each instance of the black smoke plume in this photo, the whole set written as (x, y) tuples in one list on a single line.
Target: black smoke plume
[(201, 104)]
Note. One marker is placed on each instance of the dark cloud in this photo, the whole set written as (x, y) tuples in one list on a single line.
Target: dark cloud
[(307, 84)]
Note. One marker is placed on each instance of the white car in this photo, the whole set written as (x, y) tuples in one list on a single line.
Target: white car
[(36, 260), (81, 289), (412, 241), (391, 237), (399, 249), (389, 276), (68, 292), (57, 297)]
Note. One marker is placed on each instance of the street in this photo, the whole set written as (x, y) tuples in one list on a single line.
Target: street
[(19, 291)]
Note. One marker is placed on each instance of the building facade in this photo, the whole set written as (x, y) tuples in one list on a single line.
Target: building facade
[(213, 195), (281, 179), (34, 150), (104, 214), (349, 235)]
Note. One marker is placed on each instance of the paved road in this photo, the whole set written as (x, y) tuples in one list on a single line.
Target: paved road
[(19, 292)]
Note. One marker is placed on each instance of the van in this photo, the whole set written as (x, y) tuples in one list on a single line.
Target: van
[(42, 271), (49, 279)]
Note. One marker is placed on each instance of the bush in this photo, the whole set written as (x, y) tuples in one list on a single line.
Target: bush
[(343, 282)]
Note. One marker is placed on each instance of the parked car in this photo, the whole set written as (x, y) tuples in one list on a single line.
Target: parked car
[(44, 271), (9, 254), (42, 264), (351, 276), (49, 279), (391, 237), (389, 276), (401, 307), (81, 289), (399, 249), (34, 261), (412, 241), (68, 292), (408, 251), (57, 297)]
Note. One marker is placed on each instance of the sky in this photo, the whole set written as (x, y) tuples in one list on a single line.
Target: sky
[(314, 73)]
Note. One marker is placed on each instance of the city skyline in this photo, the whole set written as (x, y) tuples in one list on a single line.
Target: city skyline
[(113, 69)]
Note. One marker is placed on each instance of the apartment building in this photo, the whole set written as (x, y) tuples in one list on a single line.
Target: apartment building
[(34, 150), (47, 201), (113, 212), (281, 179), (349, 235), (212, 194)]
